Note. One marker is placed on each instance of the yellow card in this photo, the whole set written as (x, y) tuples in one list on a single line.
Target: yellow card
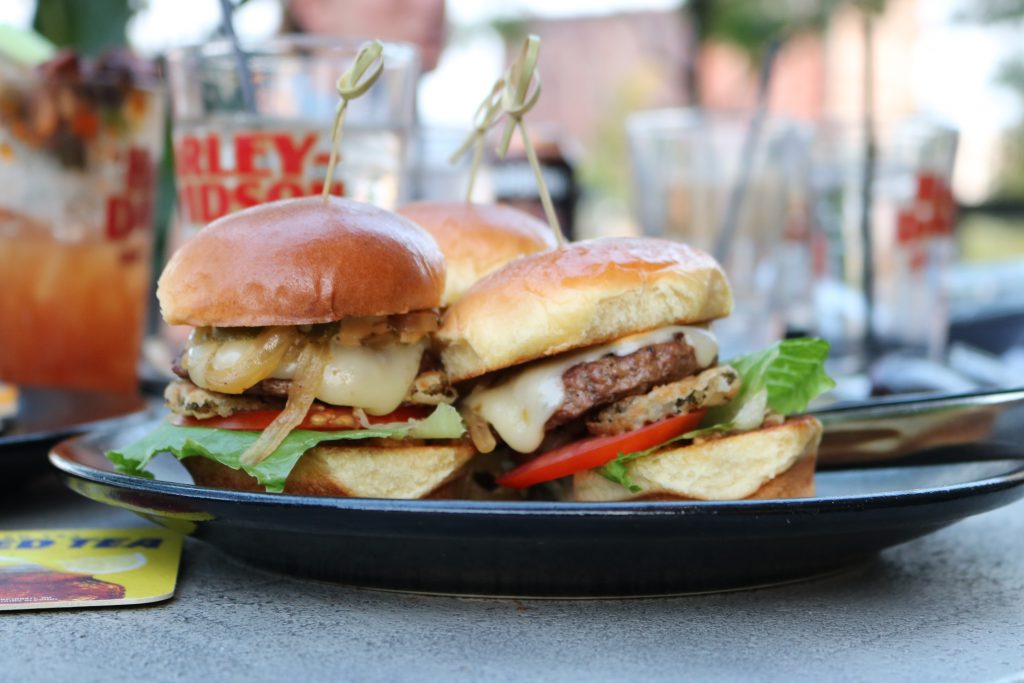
[(87, 567)]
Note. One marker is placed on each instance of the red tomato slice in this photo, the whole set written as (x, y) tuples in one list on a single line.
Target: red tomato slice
[(320, 417), (596, 451)]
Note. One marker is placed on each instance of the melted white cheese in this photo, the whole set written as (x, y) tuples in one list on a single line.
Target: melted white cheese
[(519, 407), (375, 380)]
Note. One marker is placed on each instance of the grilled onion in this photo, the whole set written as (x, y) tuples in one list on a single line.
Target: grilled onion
[(377, 331), (260, 357), (309, 371), (479, 432), (355, 330), (412, 327)]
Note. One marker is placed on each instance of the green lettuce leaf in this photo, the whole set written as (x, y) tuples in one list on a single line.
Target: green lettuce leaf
[(785, 378), (617, 471), (227, 446)]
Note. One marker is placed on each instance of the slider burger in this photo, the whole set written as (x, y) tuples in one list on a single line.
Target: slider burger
[(477, 238), (596, 360), (309, 369)]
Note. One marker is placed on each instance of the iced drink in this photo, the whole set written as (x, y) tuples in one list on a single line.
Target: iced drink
[(78, 151)]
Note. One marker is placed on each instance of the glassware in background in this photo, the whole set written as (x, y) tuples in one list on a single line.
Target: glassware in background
[(79, 147), (229, 156), (433, 177), (686, 164), (911, 230)]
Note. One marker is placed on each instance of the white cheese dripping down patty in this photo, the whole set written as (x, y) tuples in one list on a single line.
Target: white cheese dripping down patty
[(374, 379), (519, 407)]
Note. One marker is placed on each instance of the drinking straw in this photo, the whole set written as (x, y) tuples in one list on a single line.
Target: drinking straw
[(730, 221), (867, 190), (241, 64)]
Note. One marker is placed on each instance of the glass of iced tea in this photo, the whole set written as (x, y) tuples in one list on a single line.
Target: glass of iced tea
[(79, 147)]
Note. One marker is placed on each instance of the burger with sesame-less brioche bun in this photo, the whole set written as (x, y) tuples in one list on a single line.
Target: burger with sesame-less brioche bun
[(309, 368), (595, 362), (477, 238)]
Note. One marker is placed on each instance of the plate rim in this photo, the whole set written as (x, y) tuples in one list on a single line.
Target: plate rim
[(915, 403), (60, 433), (832, 504)]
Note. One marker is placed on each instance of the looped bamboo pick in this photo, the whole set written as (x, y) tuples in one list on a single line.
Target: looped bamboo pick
[(519, 95), (512, 95), (486, 116), (356, 80)]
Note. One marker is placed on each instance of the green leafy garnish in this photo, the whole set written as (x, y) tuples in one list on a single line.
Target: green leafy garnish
[(783, 378), (617, 471), (227, 446), (792, 370)]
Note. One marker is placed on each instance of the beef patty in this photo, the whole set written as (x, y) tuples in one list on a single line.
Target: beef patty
[(612, 378)]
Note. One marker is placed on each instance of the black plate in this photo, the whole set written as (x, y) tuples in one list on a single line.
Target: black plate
[(46, 416), (553, 549), (884, 429)]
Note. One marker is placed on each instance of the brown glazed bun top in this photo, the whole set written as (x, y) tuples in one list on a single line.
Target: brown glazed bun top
[(587, 293), (478, 238), (301, 262)]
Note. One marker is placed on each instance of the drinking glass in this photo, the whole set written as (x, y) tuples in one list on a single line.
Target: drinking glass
[(432, 175), (689, 167), (78, 158), (231, 154), (883, 290)]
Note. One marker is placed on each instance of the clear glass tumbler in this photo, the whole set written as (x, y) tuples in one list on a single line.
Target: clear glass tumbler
[(883, 290), (231, 154), (687, 167)]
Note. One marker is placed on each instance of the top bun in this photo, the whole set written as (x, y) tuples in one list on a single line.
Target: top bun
[(477, 238), (301, 262), (586, 293)]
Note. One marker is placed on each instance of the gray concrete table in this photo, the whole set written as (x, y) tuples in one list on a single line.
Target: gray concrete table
[(949, 607)]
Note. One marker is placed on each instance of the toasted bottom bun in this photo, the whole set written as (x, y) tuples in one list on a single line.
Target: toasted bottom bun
[(773, 462), (363, 471)]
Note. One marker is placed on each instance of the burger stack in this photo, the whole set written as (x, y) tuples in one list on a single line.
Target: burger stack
[(343, 350)]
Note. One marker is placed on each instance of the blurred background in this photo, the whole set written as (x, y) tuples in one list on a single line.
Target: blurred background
[(959, 61), (864, 159)]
